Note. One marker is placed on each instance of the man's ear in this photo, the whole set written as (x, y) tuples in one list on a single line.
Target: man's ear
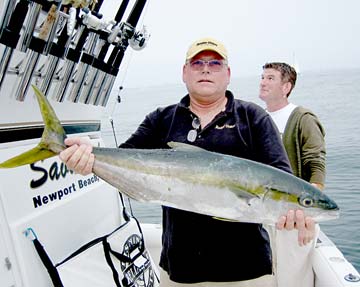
[(287, 88), (229, 74), (184, 73)]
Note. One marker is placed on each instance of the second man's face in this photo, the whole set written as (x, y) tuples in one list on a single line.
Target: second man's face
[(271, 85)]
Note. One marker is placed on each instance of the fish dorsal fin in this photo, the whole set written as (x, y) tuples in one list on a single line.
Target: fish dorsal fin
[(184, 146)]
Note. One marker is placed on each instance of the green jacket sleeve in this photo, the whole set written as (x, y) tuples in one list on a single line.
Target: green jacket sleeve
[(312, 144), (305, 145)]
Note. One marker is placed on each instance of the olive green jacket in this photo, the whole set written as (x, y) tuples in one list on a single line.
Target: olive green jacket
[(304, 142)]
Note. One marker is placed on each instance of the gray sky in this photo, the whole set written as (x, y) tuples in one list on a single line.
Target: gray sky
[(322, 34)]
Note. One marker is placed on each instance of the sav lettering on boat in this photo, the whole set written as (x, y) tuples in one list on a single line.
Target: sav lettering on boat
[(56, 172)]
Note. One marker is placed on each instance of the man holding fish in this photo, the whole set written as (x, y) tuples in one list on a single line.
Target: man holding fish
[(202, 250)]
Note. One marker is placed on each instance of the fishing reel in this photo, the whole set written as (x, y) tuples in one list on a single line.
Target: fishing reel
[(92, 20), (127, 35), (139, 40)]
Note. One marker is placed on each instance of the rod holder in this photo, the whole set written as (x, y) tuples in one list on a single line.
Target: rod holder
[(49, 75), (107, 90), (4, 63), (25, 80), (9, 8), (34, 13), (65, 80)]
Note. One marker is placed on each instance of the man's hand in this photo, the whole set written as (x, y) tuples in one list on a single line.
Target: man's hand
[(78, 156), (297, 220)]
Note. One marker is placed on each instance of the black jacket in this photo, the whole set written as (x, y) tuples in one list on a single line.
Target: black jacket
[(196, 247)]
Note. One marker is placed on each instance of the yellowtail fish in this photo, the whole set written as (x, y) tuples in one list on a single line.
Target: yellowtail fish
[(190, 178)]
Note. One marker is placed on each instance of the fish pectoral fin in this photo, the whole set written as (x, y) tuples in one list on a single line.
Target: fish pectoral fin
[(225, 219), (28, 157), (244, 195), (184, 146)]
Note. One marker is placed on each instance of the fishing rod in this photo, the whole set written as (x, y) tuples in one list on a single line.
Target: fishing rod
[(10, 32), (127, 35), (97, 74), (86, 20), (59, 48), (94, 27), (37, 43)]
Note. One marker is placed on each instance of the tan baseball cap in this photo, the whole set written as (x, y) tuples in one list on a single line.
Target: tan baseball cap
[(206, 44)]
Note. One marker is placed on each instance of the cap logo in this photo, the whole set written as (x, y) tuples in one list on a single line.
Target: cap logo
[(205, 43)]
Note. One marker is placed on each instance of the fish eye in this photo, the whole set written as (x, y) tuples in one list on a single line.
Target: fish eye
[(306, 201)]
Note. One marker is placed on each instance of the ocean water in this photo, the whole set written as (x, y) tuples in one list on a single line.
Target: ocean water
[(333, 95)]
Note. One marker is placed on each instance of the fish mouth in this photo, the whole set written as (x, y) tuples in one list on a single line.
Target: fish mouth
[(330, 215)]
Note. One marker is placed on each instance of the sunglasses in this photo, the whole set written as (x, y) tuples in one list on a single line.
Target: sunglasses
[(192, 134), (213, 65)]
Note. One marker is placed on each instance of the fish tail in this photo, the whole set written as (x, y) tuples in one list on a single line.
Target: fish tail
[(52, 140)]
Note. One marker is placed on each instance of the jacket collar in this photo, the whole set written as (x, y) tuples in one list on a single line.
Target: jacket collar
[(185, 102)]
